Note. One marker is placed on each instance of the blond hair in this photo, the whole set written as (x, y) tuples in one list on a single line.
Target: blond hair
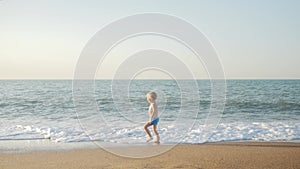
[(152, 95)]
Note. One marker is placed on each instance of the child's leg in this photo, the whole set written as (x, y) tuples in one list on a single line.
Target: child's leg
[(156, 133), (147, 130)]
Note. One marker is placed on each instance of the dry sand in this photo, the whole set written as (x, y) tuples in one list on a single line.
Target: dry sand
[(205, 156)]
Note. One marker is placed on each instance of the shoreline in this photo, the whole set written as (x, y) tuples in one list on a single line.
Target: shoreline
[(45, 145), (209, 155)]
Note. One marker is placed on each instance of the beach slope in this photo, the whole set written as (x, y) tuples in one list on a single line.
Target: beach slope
[(205, 156)]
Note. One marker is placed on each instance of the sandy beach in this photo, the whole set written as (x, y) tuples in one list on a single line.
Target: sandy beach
[(216, 83), (206, 156)]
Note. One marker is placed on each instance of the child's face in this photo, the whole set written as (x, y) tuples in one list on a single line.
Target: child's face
[(149, 99)]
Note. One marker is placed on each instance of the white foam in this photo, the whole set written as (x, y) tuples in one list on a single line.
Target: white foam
[(169, 133)]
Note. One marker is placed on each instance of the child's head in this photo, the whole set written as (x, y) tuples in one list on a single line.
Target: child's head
[(151, 97)]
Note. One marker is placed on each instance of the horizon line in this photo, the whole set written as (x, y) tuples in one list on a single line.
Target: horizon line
[(166, 79)]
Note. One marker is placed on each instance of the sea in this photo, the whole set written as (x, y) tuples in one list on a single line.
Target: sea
[(254, 110)]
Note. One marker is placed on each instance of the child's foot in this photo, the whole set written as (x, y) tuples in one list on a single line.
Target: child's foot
[(157, 140), (149, 139)]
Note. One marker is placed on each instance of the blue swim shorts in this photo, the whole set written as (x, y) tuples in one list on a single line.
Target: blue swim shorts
[(154, 121)]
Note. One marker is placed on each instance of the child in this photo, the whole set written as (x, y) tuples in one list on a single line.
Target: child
[(153, 116)]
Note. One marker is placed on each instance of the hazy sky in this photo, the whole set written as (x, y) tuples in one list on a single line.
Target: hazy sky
[(254, 38)]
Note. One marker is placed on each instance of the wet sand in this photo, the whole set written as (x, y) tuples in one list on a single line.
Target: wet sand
[(234, 155)]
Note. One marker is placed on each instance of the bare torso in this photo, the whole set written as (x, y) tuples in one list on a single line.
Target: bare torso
[(153, 111)]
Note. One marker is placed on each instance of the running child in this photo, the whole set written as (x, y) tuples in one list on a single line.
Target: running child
[(153, 116)]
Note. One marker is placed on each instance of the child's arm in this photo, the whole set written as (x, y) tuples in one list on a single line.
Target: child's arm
[(151, 113)]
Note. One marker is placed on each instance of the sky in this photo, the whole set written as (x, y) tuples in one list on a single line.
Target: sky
[(254, 39)]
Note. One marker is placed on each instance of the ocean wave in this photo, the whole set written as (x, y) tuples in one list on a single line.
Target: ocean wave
[(170, 133)]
